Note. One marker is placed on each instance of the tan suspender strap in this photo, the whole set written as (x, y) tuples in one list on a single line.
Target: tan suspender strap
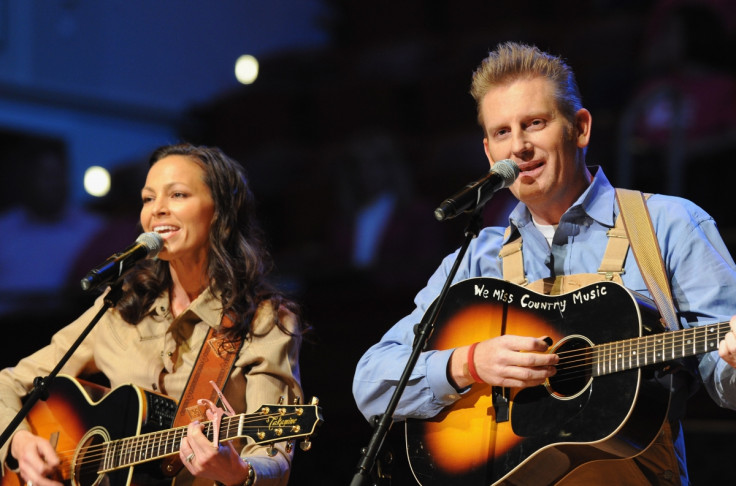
[(615, 255), (216, 359), (646, 250), (513, 260), (612, 263)]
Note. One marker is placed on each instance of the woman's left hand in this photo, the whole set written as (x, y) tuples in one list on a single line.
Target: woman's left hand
[(204, 459)]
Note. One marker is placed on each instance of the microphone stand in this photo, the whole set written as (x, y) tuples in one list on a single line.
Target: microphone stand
[(42, 384), (423, 331)]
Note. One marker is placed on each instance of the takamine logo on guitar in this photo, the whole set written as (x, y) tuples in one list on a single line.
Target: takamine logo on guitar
[(597, 406), (274, 422)]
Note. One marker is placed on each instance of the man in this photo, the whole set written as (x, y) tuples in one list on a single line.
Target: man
[(531, 112)]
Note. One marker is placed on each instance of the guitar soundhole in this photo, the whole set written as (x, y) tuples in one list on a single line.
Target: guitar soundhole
[(574, 368), (89, 458)]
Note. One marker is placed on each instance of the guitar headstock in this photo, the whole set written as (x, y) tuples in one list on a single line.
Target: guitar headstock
[(275, 423)]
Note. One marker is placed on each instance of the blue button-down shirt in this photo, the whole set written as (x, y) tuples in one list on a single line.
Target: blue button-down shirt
[(701, 272)]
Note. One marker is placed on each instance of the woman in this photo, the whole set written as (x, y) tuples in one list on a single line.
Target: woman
[(210, 273)]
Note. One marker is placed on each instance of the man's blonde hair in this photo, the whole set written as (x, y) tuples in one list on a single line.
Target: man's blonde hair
[(511, 61)]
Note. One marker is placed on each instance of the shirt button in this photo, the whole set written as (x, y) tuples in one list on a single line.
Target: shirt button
[(668, 474)]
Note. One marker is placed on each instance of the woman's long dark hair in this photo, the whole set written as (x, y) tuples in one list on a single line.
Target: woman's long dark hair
[(238, 262)]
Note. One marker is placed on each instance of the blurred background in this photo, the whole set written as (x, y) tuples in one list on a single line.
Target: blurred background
[(354, 124)]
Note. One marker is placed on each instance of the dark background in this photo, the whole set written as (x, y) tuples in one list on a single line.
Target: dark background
[(382, 105)]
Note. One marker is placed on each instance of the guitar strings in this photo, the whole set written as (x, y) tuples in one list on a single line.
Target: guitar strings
[(612, 351), (91, 458), (612, 357)]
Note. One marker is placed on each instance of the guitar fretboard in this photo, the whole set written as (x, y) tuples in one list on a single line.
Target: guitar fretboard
[(657, 348), (147, 447), (270, 424)]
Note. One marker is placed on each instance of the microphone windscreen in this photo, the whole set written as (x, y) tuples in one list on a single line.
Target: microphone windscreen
[(152, 241), (507, 169)]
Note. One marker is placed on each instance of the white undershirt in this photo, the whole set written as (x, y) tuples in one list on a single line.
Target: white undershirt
[(548, 230)]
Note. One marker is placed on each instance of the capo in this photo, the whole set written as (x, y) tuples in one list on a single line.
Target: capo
[(217, 412)]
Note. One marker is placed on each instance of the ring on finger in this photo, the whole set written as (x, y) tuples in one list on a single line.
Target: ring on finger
[(190, 457)]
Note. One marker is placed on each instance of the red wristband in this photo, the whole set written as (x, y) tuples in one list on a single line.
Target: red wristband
[(471, 363)]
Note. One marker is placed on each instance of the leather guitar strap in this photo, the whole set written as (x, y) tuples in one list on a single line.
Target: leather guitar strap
[(216, 359), (646, 250)]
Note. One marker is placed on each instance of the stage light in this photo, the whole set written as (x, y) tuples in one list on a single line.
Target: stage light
[(97, 181), (246, 69)]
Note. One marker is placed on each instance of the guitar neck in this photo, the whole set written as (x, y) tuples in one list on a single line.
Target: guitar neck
[(283, 423), (657, 348), (157, 445)]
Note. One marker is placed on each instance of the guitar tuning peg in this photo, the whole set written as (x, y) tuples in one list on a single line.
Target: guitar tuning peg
[(306, 444), (271, 451), (281, 400), (314, 401), (296, 401), (289, 446)]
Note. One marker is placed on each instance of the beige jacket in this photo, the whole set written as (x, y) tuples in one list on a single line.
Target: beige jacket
[(125, 353)]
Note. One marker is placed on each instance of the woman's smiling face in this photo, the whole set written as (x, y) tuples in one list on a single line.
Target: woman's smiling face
[(178, 205)]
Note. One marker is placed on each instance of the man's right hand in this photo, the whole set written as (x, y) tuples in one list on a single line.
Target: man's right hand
[(507, 361)]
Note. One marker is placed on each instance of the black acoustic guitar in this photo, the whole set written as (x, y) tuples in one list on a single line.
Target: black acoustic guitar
[(112, 441), (608, 400)]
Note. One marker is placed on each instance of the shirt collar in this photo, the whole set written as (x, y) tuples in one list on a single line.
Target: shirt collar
[(597, 201), (206, 307), (599, 198)]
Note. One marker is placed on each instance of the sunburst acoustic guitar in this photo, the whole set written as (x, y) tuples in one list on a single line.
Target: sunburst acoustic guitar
[(118, 438), (601, 404)]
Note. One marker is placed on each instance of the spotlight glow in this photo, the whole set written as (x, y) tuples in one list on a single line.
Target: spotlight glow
[(246, 69), (97, 181)]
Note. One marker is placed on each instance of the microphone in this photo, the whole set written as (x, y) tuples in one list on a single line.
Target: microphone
[(476, 194), (146, 245)]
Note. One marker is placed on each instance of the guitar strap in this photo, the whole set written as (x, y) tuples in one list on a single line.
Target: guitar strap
[(216, 358), (646, 250)]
